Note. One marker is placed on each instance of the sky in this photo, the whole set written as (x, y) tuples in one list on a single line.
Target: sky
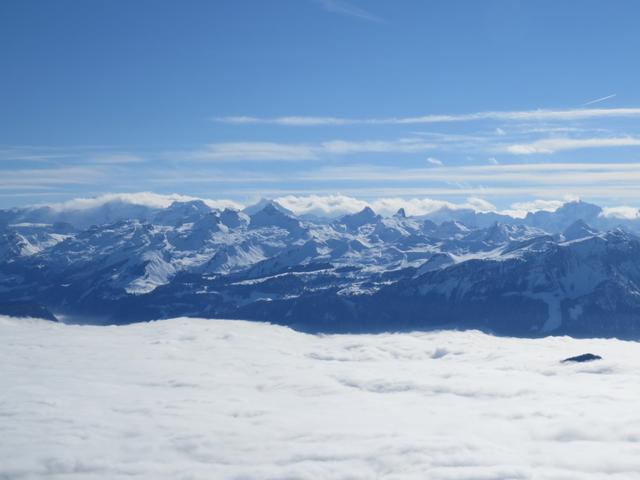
[(491, 103)]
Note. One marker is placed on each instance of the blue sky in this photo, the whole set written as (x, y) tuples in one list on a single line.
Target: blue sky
[(487, 103)]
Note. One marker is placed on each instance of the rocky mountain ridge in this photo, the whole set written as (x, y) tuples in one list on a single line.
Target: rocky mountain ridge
[(573, 271)]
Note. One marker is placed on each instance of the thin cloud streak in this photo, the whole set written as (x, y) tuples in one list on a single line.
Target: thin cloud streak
[(629, 192), (266, 151), (285, 121), (523, 174), (272, 151), (519, 115), (275, 151), (115, 159), (598, 100), (602, 180), (86, 154), (486, 174), (50, 176), (343, 8), (552, 145)]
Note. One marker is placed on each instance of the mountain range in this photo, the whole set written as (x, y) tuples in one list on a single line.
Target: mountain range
[(572, 271)]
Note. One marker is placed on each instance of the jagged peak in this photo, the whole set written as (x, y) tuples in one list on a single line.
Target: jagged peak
[(195, 204), (233, 218), (578, 229), (620, 233), (579, 207), (265, 203), (358, 219), (273, 216), (366, 212), (271, 210)]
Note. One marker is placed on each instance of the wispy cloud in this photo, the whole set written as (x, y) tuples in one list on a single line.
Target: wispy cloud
[(86, 154), (402, 145), (517, 115), (552, 145), (434, 161), (29, 156), (231, 151), (442, 179), (46, 177), (598, 100), (272, 151), (344, 8), (512, 176), (294, 121), (115, 159)]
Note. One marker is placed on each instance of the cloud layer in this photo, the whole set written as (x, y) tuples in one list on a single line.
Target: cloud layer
[(231, 399), (147, 199), (335, 205), (330, 205)]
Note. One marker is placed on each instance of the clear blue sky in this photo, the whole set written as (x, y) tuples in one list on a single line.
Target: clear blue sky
[(240, 99)]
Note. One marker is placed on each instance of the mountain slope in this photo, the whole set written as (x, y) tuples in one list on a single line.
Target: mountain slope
[(361, 272)]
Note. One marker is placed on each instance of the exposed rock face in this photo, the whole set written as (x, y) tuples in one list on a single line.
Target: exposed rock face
[(585, 357)]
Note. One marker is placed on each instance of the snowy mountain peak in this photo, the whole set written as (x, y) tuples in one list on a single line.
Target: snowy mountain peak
[(363, 217), (234, 218), (367, 211), (272, 216), (194, 205), (210, 221), (362, 272), (179, 213), (578, 229), (400, 213), (578, 210), (264, 203), (271, 209), (451, 229)]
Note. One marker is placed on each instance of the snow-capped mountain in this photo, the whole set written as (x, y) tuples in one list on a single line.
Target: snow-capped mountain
[(573, 271)]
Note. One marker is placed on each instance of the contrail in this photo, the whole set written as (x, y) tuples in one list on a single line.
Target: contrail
[(598, 100)]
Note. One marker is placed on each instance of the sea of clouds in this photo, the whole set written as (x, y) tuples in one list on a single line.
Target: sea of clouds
[(204, 399)]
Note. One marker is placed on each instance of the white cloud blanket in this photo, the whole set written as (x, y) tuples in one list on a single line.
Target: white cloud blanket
[(201, 399)]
